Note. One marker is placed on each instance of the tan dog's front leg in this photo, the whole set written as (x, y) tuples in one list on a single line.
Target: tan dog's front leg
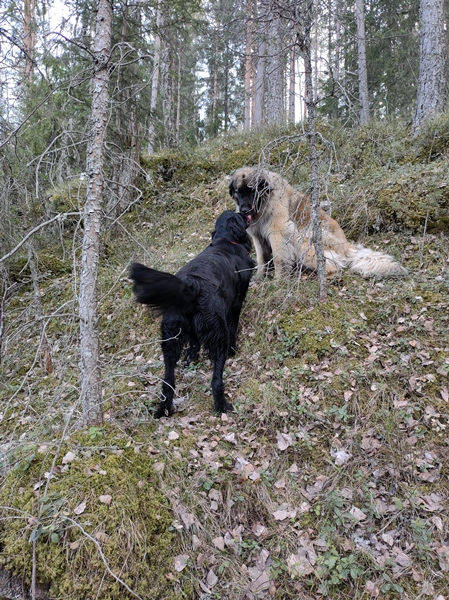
[(261, 266), (277, 242)]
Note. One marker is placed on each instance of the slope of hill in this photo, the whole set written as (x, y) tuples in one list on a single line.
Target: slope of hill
[(329, 480)]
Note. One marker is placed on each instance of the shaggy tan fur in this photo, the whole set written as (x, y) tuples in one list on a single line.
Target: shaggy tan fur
[(281, 229)]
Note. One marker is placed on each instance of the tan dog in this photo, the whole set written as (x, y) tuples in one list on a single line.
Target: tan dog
[(281, 229)]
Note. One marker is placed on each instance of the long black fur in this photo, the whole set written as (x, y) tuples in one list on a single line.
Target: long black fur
[(201, 304)]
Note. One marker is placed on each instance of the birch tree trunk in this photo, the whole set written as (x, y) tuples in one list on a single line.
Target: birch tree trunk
[(29, 37), (361, 62), (432, 84), (155, 81), (88, 302), (292, 90)]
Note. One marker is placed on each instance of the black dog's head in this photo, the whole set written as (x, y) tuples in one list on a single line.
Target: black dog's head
[(232, 226), (248, 188)]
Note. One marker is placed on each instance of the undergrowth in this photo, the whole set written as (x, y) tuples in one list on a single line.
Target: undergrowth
[(330, 480)]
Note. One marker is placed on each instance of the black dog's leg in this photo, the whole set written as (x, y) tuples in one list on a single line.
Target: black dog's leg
[(233, 323), (220, 405), (171, 348)]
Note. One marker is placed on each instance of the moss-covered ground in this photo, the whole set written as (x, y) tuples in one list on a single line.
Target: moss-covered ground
[(329, 480)]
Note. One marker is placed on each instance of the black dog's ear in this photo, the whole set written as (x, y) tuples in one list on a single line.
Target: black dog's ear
[(232, 188), (237, 230)]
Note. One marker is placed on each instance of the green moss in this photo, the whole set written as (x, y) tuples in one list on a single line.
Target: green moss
[(322, 330), (132, 531)]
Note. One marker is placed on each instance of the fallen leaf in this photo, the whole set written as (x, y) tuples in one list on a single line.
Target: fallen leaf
[(181, 562), (281, 515), (357, 513), (105, 499), (80, 508), (444, 393), (218, 542), (298, 565), (68, 458), (173, 435), (340, 456), (280, 484), (211, 579), (284, 440), (159, 466)]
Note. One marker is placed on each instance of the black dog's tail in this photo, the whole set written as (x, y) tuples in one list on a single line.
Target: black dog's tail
[(162, 290)]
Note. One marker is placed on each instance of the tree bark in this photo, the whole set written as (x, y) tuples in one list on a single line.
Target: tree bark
[(432, 84), (91, 397), (274, 80), (361, 62), (292, 86), (248, 63), (304, 19), (29, 37), (155, 81)]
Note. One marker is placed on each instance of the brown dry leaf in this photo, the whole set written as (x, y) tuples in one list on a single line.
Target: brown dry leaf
[(281, 515), (211, 579), (298, 565), (402, 559), (284, 440), (357, 514), (260, 580), (340, 457), (280, 484), (105, 499), (68, 458), (431, 503), (173, 435), (442, 551), (80, 508), (259, 530), (159, 467), (372, 589), (187, 518), (181, 562), (444, 393), (219, 543), (101, 536)]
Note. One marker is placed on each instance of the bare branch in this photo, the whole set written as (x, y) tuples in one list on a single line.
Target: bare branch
[(58, 217)]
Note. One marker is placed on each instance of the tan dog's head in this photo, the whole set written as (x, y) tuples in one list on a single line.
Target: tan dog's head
[(249, 187)]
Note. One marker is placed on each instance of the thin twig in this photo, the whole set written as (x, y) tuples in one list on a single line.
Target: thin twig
[(103, 558), (59, 217)]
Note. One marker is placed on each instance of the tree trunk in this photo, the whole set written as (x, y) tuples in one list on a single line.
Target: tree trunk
[(155, 82), (304, 19), (361, 62), (29, 37), (45, 347), (248, 63), (432, 85), (274, 80), (88, 302), (292, 90)]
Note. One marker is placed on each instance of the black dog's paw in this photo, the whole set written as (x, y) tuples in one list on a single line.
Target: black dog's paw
[(163, 411), (225, 407)]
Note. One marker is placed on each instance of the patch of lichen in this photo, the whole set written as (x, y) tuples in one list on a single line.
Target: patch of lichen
[(132, 530)]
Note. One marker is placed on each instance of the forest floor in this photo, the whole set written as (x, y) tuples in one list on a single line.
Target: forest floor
[(331, 477)]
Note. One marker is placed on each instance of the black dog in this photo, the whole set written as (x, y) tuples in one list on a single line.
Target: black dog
[(201, 304)]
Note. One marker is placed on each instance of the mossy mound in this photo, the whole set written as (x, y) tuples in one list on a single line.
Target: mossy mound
[(96, 511), (322, 330)]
